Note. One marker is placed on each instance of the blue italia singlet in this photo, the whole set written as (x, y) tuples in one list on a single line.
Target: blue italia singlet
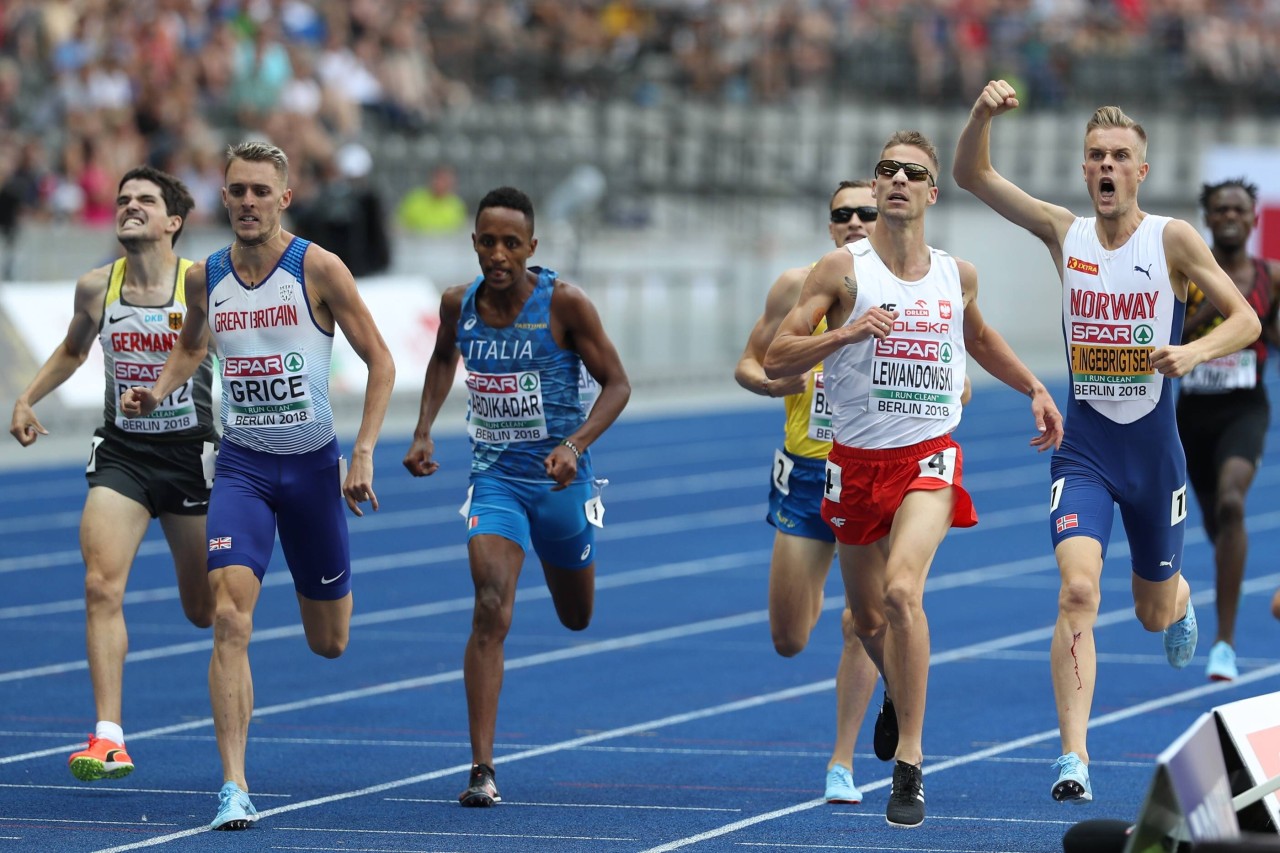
[(522, 386)]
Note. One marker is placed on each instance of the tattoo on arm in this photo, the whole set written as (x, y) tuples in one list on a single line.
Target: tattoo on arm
[(851, 286)]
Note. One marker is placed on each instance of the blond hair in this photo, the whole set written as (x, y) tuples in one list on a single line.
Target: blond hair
[(1105, 118), (258, 152)]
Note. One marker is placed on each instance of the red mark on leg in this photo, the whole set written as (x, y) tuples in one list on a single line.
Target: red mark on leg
[(1075, 638)]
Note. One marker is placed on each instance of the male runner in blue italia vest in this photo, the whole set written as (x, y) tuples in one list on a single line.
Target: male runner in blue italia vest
[(524, 336)]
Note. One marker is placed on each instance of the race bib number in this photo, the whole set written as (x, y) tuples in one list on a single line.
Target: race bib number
[(1227, 373), (594, 507), (820, 411), (267, 391), (940, 465), (915, 377), (781, 473), (506, 407), (1112, 372), (831, 488), (174, 413)]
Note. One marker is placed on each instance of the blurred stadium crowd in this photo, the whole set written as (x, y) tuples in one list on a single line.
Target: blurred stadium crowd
[(89, 88)]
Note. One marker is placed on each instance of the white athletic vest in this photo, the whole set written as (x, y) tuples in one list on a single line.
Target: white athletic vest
[(274, 358), (1117, 306), (906, 388)]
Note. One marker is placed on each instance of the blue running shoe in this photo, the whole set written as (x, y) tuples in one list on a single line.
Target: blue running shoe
[(1180, 639), (235, 810), (1222, 662), (1073, 780), (840, 787)]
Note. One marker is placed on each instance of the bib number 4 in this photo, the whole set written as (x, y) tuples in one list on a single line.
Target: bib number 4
[(940, 465)]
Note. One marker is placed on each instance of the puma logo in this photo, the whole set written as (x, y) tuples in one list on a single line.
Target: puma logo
[(1168, 562), (1146, 272)]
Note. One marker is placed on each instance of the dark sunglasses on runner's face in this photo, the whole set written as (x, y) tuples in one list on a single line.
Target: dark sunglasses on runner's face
[(841, 215), (915, 172)]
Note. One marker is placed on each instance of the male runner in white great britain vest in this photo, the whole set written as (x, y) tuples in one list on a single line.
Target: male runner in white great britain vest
[(273, 303)]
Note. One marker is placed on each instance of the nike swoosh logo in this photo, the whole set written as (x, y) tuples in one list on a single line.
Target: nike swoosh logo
[(190, 503), (218, 304), (334, 578), (121, 317), (111, 755)]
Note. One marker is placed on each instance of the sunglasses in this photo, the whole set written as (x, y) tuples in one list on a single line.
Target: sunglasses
[(915, 172), (866, 213)]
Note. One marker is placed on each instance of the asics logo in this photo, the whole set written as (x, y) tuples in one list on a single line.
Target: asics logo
[(471, 322), (187, 502), (586, 552), (327, 581)]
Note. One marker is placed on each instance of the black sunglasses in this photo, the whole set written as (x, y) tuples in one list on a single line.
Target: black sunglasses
[(915, 172), (866, 213)]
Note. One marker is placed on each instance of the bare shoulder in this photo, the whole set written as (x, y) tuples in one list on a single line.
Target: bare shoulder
[(451, 299), (94, 282), (835, 266), (787, 286), (319, 263), (197, 273), (566, 296)]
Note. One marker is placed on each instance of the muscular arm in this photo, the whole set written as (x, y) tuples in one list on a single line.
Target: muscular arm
[(579, 323), (990, 350), (441, 369), (86, 318), (750, 370), (829, 291), (1189, 259), (333, 285), (972, 170)]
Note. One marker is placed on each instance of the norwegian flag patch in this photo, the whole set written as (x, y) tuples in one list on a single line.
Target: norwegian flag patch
[(1068, 521), (220, 543)]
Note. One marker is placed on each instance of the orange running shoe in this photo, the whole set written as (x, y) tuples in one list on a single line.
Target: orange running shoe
[(103, 759)]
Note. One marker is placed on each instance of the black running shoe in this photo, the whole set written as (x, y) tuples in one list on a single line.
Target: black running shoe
[(482, 790), (906, 800), (885, 739)]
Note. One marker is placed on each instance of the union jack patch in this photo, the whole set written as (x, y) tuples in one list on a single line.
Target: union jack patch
[(1068, 521), (220, 543)]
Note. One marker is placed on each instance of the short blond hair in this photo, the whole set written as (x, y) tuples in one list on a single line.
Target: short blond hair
[(1105, 118), (916, 139), (258, 152)]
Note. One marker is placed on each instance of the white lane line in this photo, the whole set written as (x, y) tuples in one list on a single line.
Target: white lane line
[(570, 805), (461, 604), (982, 754), (748, 703)]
